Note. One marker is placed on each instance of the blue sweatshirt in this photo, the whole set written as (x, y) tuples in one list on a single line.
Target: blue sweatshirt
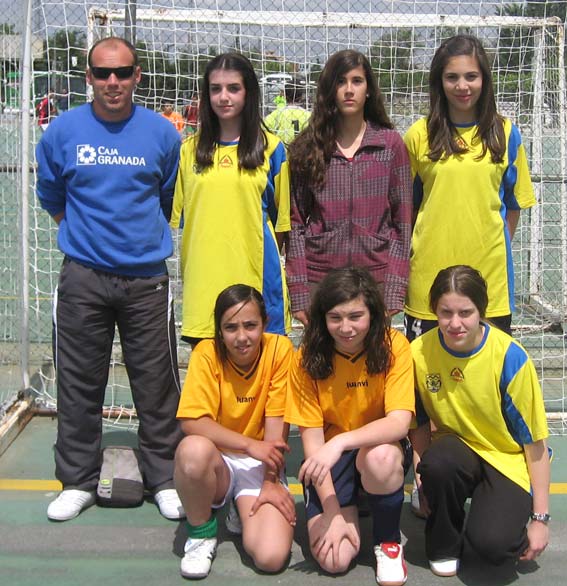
[(114, 181)]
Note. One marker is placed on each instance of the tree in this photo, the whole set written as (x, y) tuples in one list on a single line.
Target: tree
[(7, 28), (392, 57), (63, 65), (544, 8), (65, 52), (516, 51)]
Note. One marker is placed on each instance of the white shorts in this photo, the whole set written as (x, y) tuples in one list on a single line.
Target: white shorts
[(246, 477)]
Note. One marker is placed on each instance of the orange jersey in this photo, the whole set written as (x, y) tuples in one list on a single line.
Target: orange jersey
[(350, 397), (176, 119)]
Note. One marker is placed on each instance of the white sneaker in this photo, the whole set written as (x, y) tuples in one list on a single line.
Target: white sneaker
[(445, 566), (69, 504), (232, 521), (390, 564), (198, 558), (169, 504)]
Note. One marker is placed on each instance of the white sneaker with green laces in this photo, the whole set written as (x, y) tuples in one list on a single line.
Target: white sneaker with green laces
[(198, 558)]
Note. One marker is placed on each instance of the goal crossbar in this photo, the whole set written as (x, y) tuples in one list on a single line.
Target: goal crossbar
[(321, 19)]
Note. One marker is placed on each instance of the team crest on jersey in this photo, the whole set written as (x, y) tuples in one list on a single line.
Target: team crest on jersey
[(433, 382), (457, 375), (461, 142), (226, 162)]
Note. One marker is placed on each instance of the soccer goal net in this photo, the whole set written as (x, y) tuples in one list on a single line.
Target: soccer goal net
[(176, 38)]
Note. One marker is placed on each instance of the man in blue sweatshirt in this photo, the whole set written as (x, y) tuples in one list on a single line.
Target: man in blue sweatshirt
[(106, 174)]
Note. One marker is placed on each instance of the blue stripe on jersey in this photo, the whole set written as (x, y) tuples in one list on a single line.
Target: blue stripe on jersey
[(277, 158), (509, 202), (514, 361), (509, 259), (511, 175), (272, 286)]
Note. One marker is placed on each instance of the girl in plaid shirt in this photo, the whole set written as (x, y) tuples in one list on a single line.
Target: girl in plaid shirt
[(351, 187)]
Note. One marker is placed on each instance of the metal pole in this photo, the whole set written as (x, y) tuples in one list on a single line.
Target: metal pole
[(536, 227), (25, 107), (562, 113)]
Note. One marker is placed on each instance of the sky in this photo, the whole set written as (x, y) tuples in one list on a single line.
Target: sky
[(71, 14)]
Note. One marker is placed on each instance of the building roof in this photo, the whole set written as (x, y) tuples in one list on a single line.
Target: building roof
[(12, 47)]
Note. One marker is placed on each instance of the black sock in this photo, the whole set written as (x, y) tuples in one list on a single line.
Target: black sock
[(386, 510)]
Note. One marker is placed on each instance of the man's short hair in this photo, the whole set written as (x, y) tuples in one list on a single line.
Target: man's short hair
[(113, 41)]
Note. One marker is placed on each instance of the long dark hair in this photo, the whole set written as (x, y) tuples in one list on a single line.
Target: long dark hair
[(441, 131), (310, 153), (462, 280), (340, 286), (229, 297), (253, 141)]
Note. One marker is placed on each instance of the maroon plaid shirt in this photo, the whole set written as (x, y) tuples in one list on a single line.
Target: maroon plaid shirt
[(361, 217)]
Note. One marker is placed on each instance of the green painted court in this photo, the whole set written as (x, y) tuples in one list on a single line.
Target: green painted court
[(138, 546)]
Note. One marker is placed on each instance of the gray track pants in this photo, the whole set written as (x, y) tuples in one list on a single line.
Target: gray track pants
[(87, 306)]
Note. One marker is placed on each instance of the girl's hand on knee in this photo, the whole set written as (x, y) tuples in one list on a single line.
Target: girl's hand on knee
[(538, 538), (277, 495), (331, 531)]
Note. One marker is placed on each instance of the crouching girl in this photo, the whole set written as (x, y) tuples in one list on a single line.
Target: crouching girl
[(351, 394), (231, 411)]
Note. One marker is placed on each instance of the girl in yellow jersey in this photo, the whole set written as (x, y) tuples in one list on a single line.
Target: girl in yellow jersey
[(232, 200), (231, 410), (479, 389), (351, 394), (471, 179)]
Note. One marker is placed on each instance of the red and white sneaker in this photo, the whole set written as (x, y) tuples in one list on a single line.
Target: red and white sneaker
[(390, 564)]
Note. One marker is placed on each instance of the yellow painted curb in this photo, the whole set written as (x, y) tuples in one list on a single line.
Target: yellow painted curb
[(17, 484), (294, 488)]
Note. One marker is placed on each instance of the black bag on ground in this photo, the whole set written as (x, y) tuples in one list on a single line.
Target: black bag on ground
[(120, 483)]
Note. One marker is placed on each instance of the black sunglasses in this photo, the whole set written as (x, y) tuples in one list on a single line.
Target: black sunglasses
[(106, 72)]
